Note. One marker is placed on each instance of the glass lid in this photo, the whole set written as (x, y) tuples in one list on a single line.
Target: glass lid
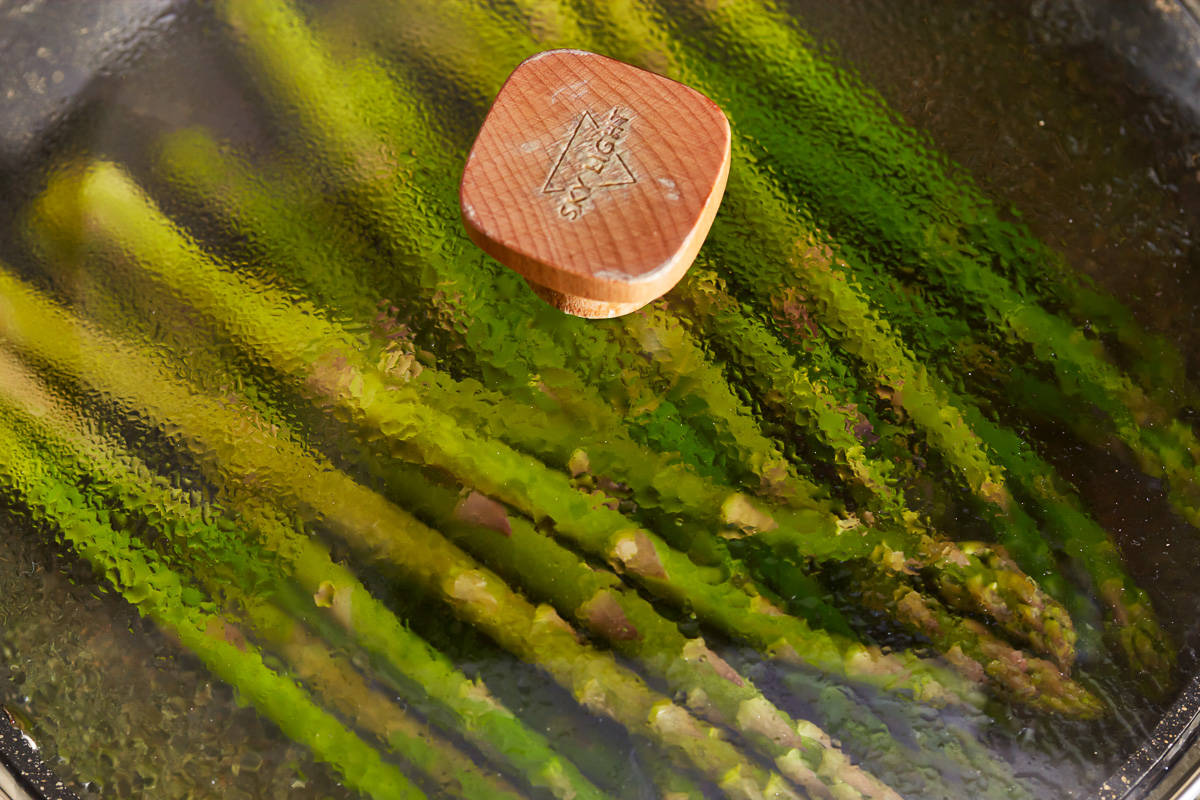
[(895, 494)]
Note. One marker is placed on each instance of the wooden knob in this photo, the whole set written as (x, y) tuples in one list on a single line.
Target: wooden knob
[(595, 180)]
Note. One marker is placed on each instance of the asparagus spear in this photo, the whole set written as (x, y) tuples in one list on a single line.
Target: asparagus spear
[(180, 610), (1011, 609), (849, 318), (690, 492), (211, 549), (1164, 446), (925, 211), (1062, 650), (1056, 637), (381, 532), (975, 651), (599, 602), (321, 360)]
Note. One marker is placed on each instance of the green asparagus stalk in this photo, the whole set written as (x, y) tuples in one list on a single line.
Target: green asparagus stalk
[(1016, 602), (1061, 650), (754, 450), (846, 312), (189, 157), (288, 59), (1059, 637), (580, 740), (985, 438), (1164, 446), (849, 318), (936, 411), (318, 357), (180, 610), (383, 533), (887, 184), (210, 549), (975, 651), (190, 160), (248, 203), (287, 88), (600, 603)]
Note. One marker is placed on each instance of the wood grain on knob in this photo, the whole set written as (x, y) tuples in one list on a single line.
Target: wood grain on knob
[(595, 180)]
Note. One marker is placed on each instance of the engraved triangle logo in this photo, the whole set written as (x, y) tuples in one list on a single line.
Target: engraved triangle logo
[(590, 160)]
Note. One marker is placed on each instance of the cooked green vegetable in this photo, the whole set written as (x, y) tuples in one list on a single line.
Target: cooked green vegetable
[(887, 189), (323, 361), (384, 534), (1010, 598), (786, 253), (739, 461), (243, 560), (180, 609)]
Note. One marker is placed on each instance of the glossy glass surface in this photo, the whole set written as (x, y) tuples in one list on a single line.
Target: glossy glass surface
[(304, 496)]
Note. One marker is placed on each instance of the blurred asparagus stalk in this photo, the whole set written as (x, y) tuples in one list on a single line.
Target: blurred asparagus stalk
[(318, 357), (384, 534), (771, 259), (182, 613), (1023, 616), (233, 564), (674, 489), (887, 185)]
